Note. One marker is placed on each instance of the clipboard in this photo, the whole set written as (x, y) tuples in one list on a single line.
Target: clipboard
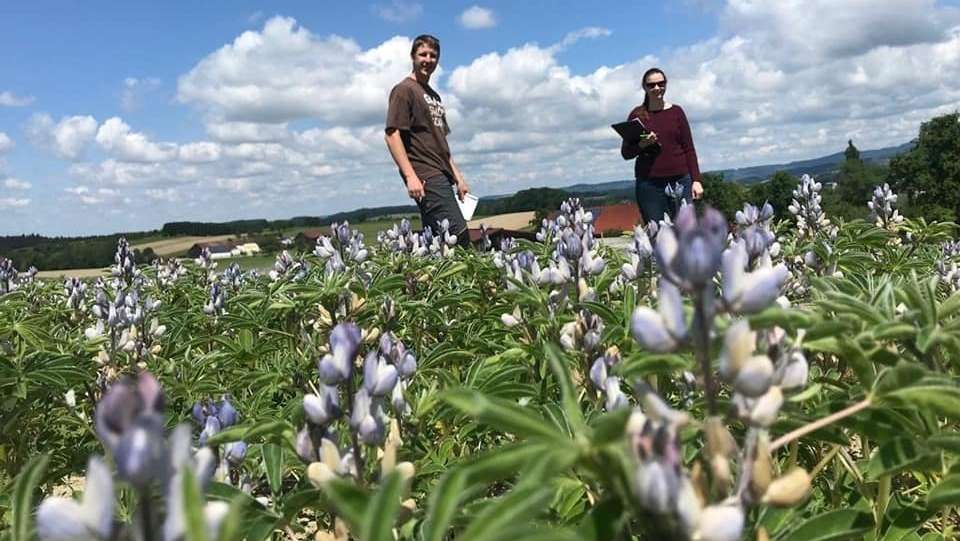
[(632, 131)]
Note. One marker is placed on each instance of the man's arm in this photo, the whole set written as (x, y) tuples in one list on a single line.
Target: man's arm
[(399, 154), (462, 188)]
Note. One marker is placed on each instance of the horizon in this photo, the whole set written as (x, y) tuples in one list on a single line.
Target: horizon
[(214, 113)]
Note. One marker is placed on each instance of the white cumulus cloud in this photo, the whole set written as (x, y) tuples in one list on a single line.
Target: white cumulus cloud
[(6, 143), (67, 138), (476, 17), (134, 90), (116, 137), (285, 72), (16, 184), (9, 99), (13, 202), (398, 11)]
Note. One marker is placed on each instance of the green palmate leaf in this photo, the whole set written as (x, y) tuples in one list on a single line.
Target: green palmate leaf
[(605, 521), (940, 399), (22, 501), (517, 507), (349, 501), (273, 464), (947, 492), (270, 430), (899, 377), (948, 441), (896, 455), (382, 510), (609, 427), (503, 415), (192, 502), (444, 502), (787, 318), (833, 526), (893, 330), (450, 492), (568, 397), (234, 433), (950, 306), (528, 497)]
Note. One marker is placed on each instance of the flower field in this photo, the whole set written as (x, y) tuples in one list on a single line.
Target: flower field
[(718, 380)]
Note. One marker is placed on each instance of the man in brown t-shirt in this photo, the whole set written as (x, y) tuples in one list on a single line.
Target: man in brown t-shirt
[(416, 134)]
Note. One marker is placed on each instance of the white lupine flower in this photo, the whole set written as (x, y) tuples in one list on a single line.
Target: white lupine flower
[(62, 519)]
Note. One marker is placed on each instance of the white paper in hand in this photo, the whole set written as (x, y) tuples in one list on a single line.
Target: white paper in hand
[(468, 205)]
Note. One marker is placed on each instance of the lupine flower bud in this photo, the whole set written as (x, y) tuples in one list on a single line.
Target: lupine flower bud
[(513, 319), (765, 411), (738, 344), (761, 472), (788, 489), (320, 474), (794, 372), (754, 377), (720, 522)]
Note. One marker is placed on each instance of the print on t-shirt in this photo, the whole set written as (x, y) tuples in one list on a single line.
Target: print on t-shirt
[(436, 109)]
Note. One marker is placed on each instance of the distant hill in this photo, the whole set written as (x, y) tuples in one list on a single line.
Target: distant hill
[(824, 165)]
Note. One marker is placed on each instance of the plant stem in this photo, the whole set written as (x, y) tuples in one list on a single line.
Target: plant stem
[(357, 457), (701, 336), (819, 423)]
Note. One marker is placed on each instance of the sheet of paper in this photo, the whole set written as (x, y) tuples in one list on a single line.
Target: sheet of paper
[(468, 205)]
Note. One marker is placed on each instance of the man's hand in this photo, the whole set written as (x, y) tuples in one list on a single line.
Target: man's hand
[(697, 189), (415, 188), (462, 189)]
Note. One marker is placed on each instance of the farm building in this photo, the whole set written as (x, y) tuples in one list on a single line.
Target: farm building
[(218, 250)]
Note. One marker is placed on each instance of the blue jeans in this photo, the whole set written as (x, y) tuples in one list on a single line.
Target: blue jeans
[(653, 200)]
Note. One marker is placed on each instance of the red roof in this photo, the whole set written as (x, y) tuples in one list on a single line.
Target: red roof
[(616, 219)]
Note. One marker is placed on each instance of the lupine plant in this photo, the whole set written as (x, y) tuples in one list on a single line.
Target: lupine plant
[(722, 378)]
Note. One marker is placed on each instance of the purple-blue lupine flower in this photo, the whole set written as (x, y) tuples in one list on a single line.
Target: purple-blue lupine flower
[(598, 372), (367, 418), (379, 377), (227, 414), (690, 256), (323, 407), (235, 452), (211, 427), (344, 343), (341, 231), (129, 421), (571, 245)]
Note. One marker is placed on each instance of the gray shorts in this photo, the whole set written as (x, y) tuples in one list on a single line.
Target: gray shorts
[(439, 203)]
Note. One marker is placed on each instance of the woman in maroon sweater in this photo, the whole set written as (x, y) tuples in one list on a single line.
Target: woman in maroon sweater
[(666, 156)]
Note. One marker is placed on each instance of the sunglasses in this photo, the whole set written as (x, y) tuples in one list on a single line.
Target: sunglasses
[(655, 84)]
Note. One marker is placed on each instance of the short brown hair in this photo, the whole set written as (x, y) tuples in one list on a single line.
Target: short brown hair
[(425, 39)]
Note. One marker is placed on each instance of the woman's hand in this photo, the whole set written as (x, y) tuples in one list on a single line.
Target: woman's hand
[(647, 141), (697, 189)]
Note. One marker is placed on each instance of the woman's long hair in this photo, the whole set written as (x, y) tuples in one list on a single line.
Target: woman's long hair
[(644, 113)]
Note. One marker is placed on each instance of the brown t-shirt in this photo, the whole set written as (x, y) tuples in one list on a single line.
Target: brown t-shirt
[(416, 110)]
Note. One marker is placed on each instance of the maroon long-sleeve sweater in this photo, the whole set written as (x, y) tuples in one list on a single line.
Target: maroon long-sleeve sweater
[(677, 155)]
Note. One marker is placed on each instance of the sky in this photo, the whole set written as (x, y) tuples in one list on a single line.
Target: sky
[(121, 116)]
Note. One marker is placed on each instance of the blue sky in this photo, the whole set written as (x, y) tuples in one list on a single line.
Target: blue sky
[(118, 116)]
